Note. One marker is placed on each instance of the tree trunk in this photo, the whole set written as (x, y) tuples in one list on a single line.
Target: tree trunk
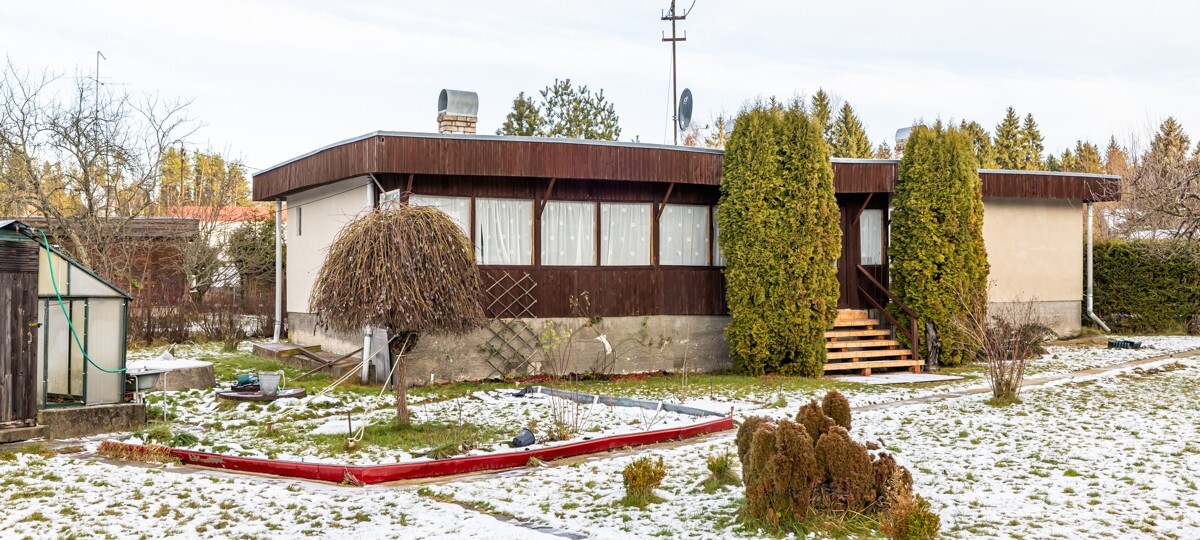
[(400, 382)]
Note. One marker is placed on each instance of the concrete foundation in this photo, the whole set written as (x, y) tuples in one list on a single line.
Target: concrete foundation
[(21, 434), (72, 422), (638, 344), (1063, 317)]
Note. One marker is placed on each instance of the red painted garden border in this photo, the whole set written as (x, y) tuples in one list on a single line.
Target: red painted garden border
[(375, 474)]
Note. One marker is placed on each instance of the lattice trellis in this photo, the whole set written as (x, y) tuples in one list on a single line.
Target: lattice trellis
[(513, 342)]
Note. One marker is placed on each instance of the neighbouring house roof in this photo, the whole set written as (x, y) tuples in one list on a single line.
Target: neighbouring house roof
[(385, 152), (231, 214), (154, 228)]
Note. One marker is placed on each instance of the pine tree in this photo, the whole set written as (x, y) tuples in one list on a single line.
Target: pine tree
[(575, 113), (981, 142), (524, 120), (1170, 145), (1031, 146), (1008, 141), (939, 263), (849, 138), (780, 235), (1116, 159), (1055, 164), (1087, 159), (564, 111), (884, 151), (822, 113)]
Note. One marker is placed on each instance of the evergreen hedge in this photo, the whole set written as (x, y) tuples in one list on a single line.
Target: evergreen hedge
[(781, 239), (939, 262), (1146, 285)]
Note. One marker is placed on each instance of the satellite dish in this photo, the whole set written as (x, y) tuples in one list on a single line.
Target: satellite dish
[(684, 115)]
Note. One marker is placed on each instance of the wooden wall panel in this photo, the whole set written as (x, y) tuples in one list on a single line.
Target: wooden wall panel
[(18, 336), (622, 291)]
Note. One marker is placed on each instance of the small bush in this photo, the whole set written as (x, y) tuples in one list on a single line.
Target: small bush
[(908, 517), (183, 439), (847, 465), (157, 434), (837, 407), (814, 420), (720, 473), (641, 477), (759, 484), (794, 470), (745, 433)]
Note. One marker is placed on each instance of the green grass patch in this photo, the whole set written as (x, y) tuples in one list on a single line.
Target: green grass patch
[(35, 448), (435, 439)]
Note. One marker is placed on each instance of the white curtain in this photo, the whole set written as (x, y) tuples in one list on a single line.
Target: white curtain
[(458, 208), (718, 256), (683, 235), (870, 237), (625, 234), (569, 234), (504, 231)]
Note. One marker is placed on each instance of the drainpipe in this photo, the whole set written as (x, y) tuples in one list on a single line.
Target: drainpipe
[(1090, 296), (278, 268), (366, 365)]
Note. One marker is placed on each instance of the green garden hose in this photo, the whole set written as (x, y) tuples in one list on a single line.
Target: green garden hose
[(61, 304)]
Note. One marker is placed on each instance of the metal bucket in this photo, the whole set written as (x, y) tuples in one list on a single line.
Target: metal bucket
[(268, 382)]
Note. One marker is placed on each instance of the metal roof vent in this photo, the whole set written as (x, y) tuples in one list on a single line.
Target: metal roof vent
[(458, 103)]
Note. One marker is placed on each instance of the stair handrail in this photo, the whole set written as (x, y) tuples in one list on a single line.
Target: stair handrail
[(911, 332)]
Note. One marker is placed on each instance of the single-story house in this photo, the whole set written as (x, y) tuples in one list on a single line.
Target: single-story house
[(631, 225)]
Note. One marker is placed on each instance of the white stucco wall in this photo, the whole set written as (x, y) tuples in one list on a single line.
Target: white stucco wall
[(1035, 249), (315, 217)]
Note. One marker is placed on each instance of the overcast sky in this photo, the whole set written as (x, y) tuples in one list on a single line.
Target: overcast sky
[(271, 80)]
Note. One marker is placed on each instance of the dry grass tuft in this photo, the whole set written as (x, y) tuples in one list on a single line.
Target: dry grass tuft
[(150, 453)]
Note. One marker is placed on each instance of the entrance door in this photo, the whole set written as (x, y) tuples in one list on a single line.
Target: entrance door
[(864, 242)]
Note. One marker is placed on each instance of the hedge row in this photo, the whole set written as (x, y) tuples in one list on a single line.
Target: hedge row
[(1147, 285)]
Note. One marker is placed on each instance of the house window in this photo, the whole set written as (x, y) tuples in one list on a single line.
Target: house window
[(458, 208), (683, 235), (870, 237), (503, 231), (718, 255), (569, 234), (625, 234)]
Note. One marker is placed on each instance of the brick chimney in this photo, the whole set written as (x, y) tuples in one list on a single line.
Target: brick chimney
[(458, 112)]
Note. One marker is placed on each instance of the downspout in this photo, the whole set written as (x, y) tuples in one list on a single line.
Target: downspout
[(278, 268), (1090, 297)]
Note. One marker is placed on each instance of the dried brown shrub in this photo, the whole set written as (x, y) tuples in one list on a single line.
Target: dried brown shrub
[(837, 407), (794, 469), (759, 484), (890, 478), (850, 478), (814, 420), (907, 516), (746, 433)]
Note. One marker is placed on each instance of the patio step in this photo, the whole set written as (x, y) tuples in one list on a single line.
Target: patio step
[(899, 354), (872, 364), (862, 344), (842, 323)]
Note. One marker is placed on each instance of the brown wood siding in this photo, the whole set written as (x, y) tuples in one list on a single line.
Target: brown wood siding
[(18, 336), (626, 291), (490, 156), (1046, 186), (564, 190), (864, 177)]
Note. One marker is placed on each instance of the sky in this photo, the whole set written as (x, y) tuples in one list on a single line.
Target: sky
[(270, 80)]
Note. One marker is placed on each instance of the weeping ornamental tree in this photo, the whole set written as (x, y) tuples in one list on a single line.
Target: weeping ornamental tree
[(408, 269), (939, 264), (781, 241)]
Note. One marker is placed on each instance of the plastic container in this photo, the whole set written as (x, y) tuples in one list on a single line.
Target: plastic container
[(268, 382)]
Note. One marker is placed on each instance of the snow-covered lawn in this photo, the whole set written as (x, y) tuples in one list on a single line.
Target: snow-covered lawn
[(1114, 455), (241, 429), (64, 497)]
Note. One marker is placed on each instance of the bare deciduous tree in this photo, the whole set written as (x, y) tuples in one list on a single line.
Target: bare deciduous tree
[(85, 157), (1007, 337)]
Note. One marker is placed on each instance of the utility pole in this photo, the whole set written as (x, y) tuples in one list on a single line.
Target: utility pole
[(671, 16), (96, 127)]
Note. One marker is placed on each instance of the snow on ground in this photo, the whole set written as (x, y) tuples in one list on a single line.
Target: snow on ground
[(65, 497), (1115, 455), (240, 429)]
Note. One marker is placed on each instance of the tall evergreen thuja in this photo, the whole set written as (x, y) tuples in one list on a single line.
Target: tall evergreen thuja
[(939, 264), (781, 240)]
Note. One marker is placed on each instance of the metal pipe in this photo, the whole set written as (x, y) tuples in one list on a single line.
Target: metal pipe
[(278, 269), (1090, 296), (366, 363)]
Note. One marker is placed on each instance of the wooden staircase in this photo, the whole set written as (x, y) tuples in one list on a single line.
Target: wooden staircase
[(857, 343)]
